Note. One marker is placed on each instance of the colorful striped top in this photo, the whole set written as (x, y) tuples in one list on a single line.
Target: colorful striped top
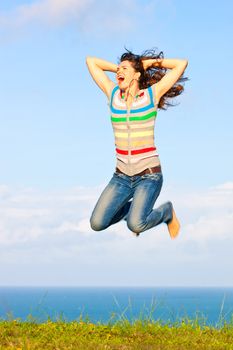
[(134, 131)]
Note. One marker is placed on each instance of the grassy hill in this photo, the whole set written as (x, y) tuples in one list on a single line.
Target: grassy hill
[(122, 335)]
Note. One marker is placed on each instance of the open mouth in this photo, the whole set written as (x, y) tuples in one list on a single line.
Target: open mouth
[(120, 78)]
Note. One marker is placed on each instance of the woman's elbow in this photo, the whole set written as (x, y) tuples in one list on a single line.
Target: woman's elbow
[(185, 63), (88, 59)]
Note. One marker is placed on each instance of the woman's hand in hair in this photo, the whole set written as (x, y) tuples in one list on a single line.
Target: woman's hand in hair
[(151, 62)]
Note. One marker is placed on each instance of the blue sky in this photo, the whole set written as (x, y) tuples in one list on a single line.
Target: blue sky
[(57, 149)]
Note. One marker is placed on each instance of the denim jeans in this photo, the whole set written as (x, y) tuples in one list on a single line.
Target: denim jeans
[(131, 198)]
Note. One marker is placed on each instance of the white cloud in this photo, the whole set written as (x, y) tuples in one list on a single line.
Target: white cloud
[(206, 215), (52, 12), (228, 186), (28, 215), (53, 227), (99, 17), (89, 16)]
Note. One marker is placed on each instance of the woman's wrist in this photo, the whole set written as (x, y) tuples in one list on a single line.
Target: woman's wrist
[(167, 63), (151, 62)]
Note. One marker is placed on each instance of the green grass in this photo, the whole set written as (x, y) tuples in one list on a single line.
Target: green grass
[(122, 335)]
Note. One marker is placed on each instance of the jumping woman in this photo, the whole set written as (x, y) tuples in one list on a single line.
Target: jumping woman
[(144, 83)]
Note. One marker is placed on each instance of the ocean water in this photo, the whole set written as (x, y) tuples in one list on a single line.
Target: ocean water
[(210, 305)]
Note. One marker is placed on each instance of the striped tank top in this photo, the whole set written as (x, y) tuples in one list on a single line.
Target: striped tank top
[(134, 131)]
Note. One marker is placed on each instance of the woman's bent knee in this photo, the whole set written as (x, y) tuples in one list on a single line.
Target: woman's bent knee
[(97, 225), (136, 227)]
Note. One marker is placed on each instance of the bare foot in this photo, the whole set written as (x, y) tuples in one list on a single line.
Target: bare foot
[(173, 226)]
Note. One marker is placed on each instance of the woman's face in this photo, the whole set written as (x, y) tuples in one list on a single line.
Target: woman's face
[(125, 75)]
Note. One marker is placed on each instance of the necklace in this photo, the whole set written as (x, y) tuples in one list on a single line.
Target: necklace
[(122, 94)]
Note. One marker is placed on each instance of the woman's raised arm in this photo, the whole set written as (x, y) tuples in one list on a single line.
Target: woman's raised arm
[(177, 68), (97, 68)]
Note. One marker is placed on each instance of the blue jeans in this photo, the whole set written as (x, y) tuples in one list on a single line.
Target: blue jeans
[(131, 198)]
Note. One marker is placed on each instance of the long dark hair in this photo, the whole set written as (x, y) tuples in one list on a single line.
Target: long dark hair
[(152, 75)]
